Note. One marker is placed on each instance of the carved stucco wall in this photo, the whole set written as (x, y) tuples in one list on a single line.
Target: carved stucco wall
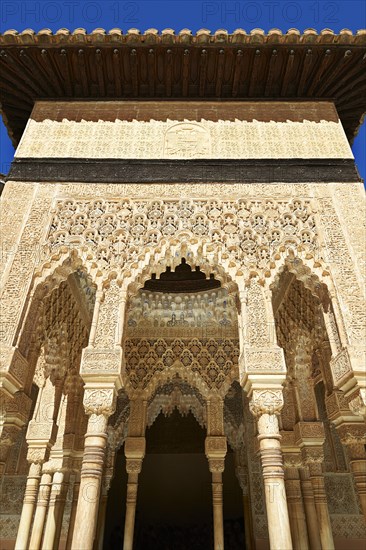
[(250, 228), (234, 227)]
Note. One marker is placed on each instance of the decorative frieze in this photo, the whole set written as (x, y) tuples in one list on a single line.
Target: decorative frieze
[(173, 139)]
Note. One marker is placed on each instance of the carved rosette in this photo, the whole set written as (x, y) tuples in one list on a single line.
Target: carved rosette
[(133, 465), (291, 460)]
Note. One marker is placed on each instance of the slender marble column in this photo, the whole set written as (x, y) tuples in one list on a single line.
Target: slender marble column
[(75, 495), (135, 448), (215, 449), (296, 510), (132, 486), (356, 454), (29, 504), (321, 505), (310, 510), (217, 503), (101, 521), (273, 474), (90, 482), (41, 511), (60, 507), (265, 405), (358, 468), (55, 513), (242, 476)]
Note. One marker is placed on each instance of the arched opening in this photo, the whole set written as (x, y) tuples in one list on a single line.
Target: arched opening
[(51, 337), (307, 331), (181, 349), (302, 333)]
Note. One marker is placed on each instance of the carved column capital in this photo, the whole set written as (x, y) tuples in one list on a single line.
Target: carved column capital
[(37, 455), (313, 455), (99, 401), (352, 433), (266, 401), (216, 449), (135, 447), (133, 465), (357, 404)]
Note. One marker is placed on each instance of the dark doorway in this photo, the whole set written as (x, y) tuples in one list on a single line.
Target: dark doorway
[(174, 503)]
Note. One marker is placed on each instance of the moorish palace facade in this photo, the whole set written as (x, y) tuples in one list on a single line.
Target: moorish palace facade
[(183, 291)]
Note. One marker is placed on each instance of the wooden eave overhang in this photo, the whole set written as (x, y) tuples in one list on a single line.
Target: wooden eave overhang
[(153, 65)]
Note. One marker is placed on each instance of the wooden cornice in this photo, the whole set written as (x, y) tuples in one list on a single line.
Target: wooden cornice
[(222, 66)]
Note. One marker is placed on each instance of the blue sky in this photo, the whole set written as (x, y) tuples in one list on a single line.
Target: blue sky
[(177, 14)]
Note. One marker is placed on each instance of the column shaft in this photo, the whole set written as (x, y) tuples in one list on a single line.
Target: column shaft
[(101, 522), (296, 512), (274, 484), (132, 486), (135, 447), (358, 468), (321, 505), (55, 513), (90, 483), (29, 503), (41, 512), (75, 495), (215, 449), (310, 512), (218, 515)]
